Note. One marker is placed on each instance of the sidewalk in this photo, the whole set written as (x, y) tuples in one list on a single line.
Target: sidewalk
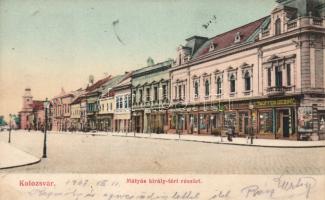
[(236, 141), (13, 157)]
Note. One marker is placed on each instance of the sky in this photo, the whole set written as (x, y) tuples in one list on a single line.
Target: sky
[(52, 44)]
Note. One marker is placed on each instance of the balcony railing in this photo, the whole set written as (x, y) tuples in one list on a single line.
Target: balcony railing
[(292, 24), (277, 90)]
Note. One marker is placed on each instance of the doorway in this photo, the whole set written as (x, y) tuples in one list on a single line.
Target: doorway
[(283, 123)]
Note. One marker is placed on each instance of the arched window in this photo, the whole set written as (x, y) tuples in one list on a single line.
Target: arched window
[(219, 85), (277, 26), (207, 88), (196, 88), (247, 81), (232, 83)]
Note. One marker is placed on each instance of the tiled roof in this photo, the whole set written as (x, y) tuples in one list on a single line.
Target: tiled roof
[(38, 105), (227, 39), (98, 84)]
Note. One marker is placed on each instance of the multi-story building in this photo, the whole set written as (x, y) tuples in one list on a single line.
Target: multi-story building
[(61, 119), (150, 97), (268, 75), (32, 115), (106, 112), (105, 100), (122, 109)]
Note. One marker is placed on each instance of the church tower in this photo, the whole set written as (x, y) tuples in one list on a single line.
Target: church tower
[(27, 100)]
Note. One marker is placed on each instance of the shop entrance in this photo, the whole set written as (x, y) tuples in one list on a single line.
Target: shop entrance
[(137, 124), (243, 122), (286, 121), (283, 127)]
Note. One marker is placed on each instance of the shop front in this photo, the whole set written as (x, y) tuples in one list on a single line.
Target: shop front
[(276, 118), (137, 121), (267, 118), (105, 122)]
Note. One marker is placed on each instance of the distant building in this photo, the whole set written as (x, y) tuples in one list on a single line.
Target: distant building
[(32, 115), (150, 97)]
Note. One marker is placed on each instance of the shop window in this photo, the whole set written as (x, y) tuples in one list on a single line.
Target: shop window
[(265, 122), (232, 84), (321, 122), (207, 88), (203, 122), (196, 89), (288, 74), (277, 26), (230, 119), (278, 76), (173, 122), (219, 85), (247, 81)]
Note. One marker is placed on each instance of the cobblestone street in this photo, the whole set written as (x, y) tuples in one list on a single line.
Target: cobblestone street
[(75, 153)]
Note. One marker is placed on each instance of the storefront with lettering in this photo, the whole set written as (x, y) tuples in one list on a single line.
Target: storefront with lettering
[(276, 118)]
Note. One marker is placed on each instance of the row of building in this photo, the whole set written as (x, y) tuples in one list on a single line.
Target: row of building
[(268, 75)]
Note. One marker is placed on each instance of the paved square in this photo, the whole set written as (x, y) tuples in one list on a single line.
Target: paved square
[(76, 153)]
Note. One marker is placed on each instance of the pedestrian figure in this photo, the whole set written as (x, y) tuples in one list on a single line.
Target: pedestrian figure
[(230, 133), (251, 133)]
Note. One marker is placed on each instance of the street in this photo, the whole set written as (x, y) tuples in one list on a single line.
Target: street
[(77, 153)]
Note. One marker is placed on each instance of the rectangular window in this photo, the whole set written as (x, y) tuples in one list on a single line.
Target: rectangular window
[(126, 101), (278, 76), (121, 102), (183, 91), (155, 93), (269, 77), (179, 92), (140, 92), (148, 94), (175, 92), (117, 102), (288, 74), (164, 88)]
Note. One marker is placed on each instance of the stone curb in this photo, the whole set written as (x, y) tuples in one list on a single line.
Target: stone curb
[(248, 145), (22, 165)]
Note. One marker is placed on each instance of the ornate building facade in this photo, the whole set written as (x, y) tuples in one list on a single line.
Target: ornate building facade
[(268, 75), (150, 97)]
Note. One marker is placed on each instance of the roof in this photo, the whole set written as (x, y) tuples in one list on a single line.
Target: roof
[(227, 39), (121, 81), (38, 105), (153, 68), (98, 84)]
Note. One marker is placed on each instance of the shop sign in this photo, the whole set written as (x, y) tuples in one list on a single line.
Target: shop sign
[(305, 119), (276, 102), (219, 107)]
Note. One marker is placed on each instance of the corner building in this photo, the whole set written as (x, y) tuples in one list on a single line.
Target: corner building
[(267, 75)]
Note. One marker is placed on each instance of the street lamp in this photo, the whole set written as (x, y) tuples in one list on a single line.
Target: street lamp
[(9, 139), (46, 105)]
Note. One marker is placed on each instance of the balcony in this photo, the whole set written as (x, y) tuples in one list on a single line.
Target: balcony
[(301, 22), (277, 90)]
